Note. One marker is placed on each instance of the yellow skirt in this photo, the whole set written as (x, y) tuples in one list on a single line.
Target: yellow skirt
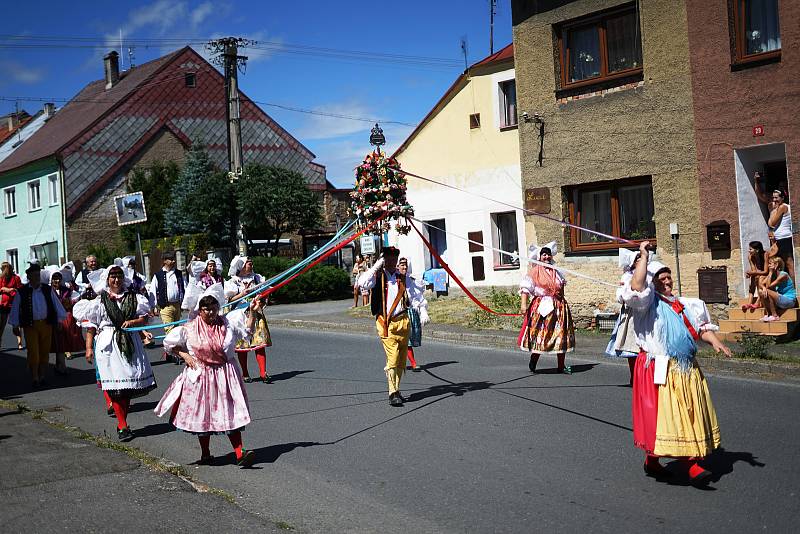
[(686, 422)]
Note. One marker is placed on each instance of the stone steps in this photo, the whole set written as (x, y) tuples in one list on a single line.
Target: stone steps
[(739, 321)]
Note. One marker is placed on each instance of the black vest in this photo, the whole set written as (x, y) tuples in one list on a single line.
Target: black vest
[(161, 290), (378, 291), (25, 294)]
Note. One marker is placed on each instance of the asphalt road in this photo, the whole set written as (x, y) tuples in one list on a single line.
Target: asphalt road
[(481, 446)]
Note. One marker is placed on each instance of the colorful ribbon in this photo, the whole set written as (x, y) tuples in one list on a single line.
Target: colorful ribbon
[(466, 291)]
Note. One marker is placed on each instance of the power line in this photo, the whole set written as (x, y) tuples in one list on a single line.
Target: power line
[(165, 103)]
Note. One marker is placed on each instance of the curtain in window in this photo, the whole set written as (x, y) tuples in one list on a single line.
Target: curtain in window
[(636, 212), (438, 238), (623, 42), (509, 90), (762, 29), (584, 53), (507, 236), (595, 214)]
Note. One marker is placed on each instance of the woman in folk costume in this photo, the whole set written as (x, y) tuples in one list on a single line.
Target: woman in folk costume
[(623, 337), (417, 312), (672, 411), (209, 396), (207, 273), (547, 326), (121, 362), (67, 337), (242, 282)]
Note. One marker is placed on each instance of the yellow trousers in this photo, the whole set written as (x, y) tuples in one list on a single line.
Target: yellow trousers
[(395, 345), (37, 340), (169, 314)]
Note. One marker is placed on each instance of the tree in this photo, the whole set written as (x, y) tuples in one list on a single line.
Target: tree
[(273, 201), (200, 199)]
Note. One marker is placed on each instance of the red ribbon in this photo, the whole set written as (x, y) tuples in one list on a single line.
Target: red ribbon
[(444, 265), (338, 247)]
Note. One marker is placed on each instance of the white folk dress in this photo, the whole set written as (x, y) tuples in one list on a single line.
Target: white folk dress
[(118, 376)]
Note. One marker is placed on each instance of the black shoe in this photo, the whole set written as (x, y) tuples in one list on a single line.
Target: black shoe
[(266, 379), (416, 369), (247, 459), (247, 379), (532, 366), (125, 434), (110, 411), (401, 397), (395, 400), (205, 460)]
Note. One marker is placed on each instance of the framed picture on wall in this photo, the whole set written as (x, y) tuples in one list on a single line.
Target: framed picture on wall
[(130, 208)]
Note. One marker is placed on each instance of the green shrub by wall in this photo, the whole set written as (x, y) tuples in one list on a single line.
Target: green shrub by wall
[(322, 282)]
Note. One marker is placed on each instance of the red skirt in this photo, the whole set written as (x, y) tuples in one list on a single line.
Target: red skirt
[(644, 404), (67, 337)]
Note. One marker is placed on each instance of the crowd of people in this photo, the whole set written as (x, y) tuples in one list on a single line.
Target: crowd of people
[(672, 412)]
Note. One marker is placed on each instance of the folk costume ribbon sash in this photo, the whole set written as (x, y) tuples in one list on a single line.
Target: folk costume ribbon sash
[(118, 316), (401, 291), (679, 309)]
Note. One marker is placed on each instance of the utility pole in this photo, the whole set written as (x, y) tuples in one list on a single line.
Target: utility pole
[(227, 56), (492, 10)]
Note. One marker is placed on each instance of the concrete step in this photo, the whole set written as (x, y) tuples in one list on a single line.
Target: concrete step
[(790, 314), (736, 337), (776, 327)]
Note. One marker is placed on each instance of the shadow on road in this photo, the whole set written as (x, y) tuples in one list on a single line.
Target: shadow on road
[(153, 430), (15, 379), (142, 406), (289, 374), (268, 455)]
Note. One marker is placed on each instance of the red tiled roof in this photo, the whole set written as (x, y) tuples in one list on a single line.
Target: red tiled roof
[(80, 113), (5, 133), (501, 55), (505, 54)]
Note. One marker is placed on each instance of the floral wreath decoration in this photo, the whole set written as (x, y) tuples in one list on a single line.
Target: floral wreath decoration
[(380, 191)]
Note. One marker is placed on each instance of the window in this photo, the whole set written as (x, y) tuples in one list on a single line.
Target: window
[(600, 47), (12, 257), (622, 208), (10, 201), (52, 187), (190, 79), (504, 226), (757, 30), (474, 121), (437, 235), (508, 103), (34, 196)]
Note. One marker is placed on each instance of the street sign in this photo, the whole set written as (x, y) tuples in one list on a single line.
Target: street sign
[(130, 208), (367, 245)]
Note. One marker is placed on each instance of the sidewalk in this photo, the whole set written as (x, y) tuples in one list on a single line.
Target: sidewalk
[(50, 480), (334, 316)]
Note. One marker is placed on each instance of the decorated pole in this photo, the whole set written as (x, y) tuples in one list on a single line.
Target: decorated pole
[(379, 193)]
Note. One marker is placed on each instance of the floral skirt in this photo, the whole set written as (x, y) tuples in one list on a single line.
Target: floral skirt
[(553, 333), (675, 419), (261, 337), (209, 400)]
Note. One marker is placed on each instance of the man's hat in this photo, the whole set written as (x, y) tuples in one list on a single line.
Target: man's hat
[(391, 251), (168, 256), (33, 267)]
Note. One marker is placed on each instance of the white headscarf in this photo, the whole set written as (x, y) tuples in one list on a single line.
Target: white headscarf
[(68, 272), (236, 265), (194, 295), (99, 278), (534, 250), (47, 272), (198, 267)]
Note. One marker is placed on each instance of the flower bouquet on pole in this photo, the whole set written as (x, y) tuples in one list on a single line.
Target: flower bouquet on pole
[(380, 193)]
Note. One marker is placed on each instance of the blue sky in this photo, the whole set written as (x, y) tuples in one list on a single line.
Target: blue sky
[(383, 89)]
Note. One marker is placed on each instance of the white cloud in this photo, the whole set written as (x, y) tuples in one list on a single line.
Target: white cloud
[(200, 13), (323, 127), (20, 73)]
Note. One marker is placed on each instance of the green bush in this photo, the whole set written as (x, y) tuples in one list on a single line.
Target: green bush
[(754, 345), (322, 282), (499, 301)]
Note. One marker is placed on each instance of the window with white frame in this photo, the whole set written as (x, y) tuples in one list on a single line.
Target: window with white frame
[(12, 257), (508, 103), (504, 237), (52, 188), (10, 201), (34, 196)]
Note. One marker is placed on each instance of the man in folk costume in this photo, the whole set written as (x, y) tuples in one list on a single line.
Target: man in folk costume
[(672, 411), (391, 294), (37, 309), (167, 289)]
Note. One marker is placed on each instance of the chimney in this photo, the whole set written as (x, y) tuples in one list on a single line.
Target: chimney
[(13, 121), (111, 63), (49, 109)]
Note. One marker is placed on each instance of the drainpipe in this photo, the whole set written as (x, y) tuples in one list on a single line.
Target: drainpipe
[(63, 209)]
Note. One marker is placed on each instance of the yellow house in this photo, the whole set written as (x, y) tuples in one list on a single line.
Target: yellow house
[(469, 141)]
